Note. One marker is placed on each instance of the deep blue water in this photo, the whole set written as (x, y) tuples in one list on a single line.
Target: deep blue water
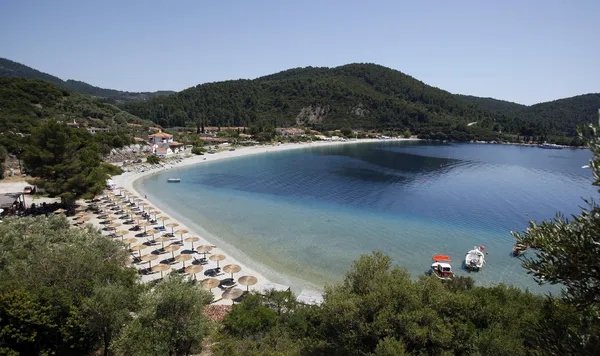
[(309, 213)]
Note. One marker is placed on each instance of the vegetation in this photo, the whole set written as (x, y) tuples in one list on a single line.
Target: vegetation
[(379, 310), (153, 159), (198, 150), (3, 156), (66, 162), (66, 291), (26, 104), (9, 68), (51, 276), (169, 322), (364, 96)]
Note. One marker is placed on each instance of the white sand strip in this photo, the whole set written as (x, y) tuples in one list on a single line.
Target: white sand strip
[(127, 180)]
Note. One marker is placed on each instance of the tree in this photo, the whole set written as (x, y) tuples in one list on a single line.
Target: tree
[(153, 159), (108, 310), (346, 131), (66, 162), (567, 250), (71, 276), (24, 324), (3, 155), (566, 253), (170, 321)]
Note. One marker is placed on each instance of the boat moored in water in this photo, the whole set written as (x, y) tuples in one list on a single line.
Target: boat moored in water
[(551, 146), (475, 259), (173, 180), (441, 267)]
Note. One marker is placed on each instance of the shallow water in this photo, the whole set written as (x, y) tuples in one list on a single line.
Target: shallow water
[(309, 213)]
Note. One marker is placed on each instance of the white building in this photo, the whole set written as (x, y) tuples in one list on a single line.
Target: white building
[(160, 137)]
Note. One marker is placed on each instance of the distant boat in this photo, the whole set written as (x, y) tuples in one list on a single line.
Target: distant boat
[(475, 259), (551, 146), (441, 267), (173, 180)]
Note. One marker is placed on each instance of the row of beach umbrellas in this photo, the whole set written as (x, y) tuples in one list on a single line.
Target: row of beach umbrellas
[(131, 208)]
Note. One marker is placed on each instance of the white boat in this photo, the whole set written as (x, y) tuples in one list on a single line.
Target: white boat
[(441, 267), (173, 180), (475, 259), (550, 146)]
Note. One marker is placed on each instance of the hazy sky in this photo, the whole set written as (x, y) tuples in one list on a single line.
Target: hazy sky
[(519, 50)]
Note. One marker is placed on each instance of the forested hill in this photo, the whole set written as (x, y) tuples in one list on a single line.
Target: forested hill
[(9, 68), (26, 103), (558, 116), (364, 96)]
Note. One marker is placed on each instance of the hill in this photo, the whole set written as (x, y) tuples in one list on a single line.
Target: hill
[(366, 96), (9, 68), (25, 103)]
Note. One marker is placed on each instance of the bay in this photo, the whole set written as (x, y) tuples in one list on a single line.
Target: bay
[(304, 215)]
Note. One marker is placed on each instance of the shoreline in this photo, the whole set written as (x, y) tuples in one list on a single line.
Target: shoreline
[(264, 273)]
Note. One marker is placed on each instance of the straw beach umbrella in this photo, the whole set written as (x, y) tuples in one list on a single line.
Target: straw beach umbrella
[(204, 249), (113, 225), (232, 294), (144, 224), (247, 281), (182, 259), (217, 257), (121, 233), (139, 248), (172, 248), (129, 240), (149, 258), (181, 232), (152, 232), (193, 269), (192, 240), (163, 239), (163, 219), (161, 267), (210, 283), (232, 268), (172, 226)]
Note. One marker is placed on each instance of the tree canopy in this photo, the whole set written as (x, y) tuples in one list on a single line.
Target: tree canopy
[(67, 162), (9, 68), (366, 96)]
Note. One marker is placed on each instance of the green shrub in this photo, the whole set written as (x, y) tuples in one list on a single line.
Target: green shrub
[(198, 150), (153, 159)]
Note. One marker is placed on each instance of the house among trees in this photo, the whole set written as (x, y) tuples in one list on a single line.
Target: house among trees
[(160, 137), (290, 131), (163, 145), (211, 129), (94, 130)]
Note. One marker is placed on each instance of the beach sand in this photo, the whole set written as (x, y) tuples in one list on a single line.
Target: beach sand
[(126, 181)]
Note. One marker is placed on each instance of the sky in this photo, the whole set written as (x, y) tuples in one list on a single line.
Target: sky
[(525, 51)]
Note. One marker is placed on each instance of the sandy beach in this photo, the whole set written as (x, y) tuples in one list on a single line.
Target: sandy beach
[(126, 182)]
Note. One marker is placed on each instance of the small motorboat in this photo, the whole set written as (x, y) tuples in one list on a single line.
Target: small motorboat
[(173, 180), (475, 259), (551, 146), (441, 267)]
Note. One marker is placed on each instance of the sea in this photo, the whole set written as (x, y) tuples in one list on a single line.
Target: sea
[(301, 217)]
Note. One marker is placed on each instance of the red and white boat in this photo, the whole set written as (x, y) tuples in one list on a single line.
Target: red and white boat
[(441, 267)]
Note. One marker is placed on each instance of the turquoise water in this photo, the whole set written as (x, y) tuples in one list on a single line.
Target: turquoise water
[(309, 213)]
